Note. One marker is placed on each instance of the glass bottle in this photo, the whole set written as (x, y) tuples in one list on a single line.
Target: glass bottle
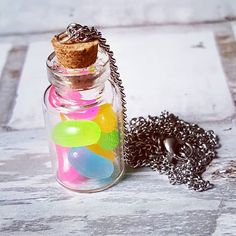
[(83, 117)]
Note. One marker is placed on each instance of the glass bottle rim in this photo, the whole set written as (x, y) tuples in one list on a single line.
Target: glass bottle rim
[(95, 69)]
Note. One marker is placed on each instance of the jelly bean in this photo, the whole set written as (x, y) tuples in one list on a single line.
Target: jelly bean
[(88, 113), (55, 101), (72, 95), (109, 141), (89, 164), (102, 152), (62, 116), (106, 118), (72, 133), (53, 98), (66, 172)]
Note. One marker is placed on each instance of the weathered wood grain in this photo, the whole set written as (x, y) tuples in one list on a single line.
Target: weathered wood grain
[(227, 49), (9, 80), (143, 203), (27, 16)]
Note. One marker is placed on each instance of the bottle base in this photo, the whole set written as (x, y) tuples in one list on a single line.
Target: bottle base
[(91, 185)]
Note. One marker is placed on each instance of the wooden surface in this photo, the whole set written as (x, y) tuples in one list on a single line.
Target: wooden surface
[(143, 203), (17, 19)]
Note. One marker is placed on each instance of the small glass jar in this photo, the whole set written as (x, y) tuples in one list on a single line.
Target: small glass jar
[(83, 117)]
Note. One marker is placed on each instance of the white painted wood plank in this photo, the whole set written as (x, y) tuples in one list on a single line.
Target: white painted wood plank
[(143, 203), (4, 49), (28, 14), (234, 29), (222, 225), (172, 72), (33, 82), (160, 72)]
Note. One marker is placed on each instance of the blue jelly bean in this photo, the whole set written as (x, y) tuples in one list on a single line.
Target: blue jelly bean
[(89, 164)]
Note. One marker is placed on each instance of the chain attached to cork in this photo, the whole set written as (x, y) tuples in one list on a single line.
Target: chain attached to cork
[(166, 144), (77, 33)]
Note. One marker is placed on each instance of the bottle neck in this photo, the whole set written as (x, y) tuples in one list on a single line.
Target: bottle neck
[(81, 98), (82, 86)]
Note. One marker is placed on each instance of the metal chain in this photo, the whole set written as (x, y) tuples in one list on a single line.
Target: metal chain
[(196, 148), (144, 139)]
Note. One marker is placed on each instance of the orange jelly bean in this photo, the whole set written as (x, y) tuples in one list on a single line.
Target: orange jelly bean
[(106, 118), (102, 152), (62, 117)]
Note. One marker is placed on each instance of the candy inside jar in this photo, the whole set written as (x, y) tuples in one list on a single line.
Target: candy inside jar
[(83, 115)]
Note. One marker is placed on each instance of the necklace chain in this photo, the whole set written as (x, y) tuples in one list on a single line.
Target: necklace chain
[(195, 152), (144, 139)]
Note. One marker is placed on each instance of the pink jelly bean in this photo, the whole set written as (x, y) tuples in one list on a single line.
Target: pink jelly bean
[(53, 98), (89, 113), (65, 171), (73, 95)]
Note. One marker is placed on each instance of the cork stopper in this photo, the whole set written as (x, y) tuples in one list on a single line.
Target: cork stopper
[(75, 54)]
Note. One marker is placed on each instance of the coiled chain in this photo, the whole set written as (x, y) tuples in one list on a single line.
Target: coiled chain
[(144, 139)]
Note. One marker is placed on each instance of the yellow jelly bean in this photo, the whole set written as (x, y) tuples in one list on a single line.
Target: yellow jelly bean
[(102, 152), (106, 118)]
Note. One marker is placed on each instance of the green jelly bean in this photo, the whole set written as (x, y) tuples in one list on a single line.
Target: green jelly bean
[(109, 141), (76, 133)]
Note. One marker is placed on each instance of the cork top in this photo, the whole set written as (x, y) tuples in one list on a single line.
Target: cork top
[(76, 47)]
